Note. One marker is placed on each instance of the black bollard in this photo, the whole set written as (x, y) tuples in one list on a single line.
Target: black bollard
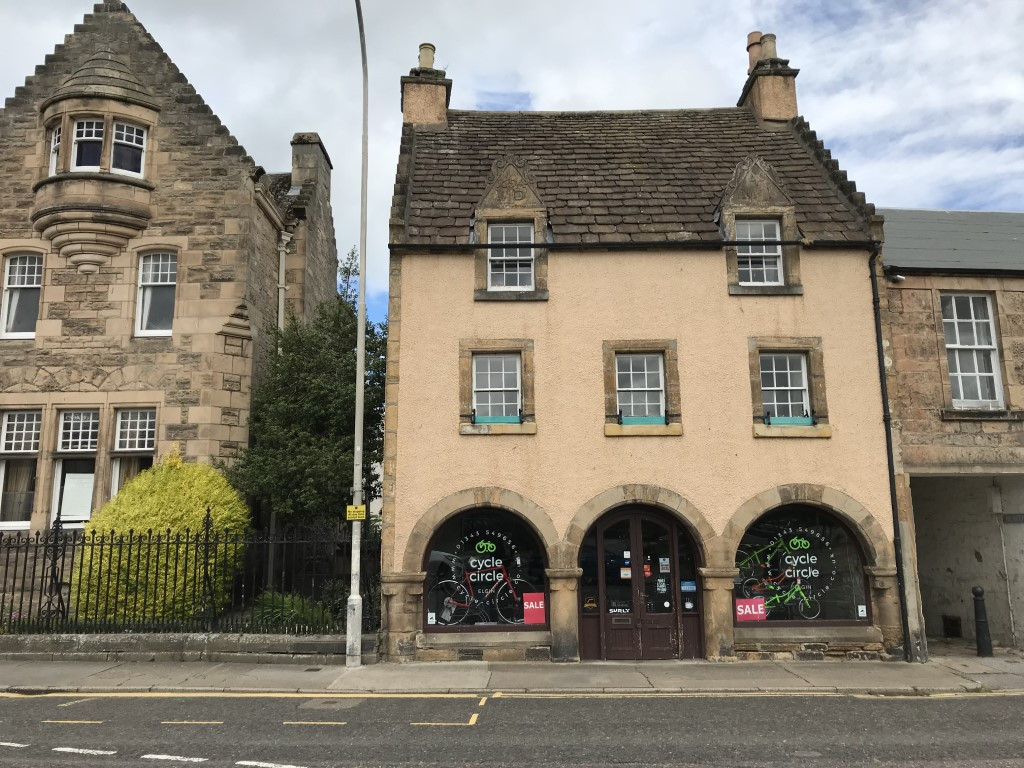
[(984, 637)]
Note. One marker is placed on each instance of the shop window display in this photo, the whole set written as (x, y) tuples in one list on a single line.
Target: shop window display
[(799, 563), (485, 568)]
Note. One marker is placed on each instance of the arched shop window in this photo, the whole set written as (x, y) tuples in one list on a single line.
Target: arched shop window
[(798, 563), (485, 570)]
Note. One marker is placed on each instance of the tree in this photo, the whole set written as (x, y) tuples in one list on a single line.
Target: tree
[(301, 424)]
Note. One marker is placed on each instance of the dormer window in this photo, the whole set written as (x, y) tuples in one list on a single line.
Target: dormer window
[(55, 135), (88, 147), (760, 261), (129, 149), (510, 266)]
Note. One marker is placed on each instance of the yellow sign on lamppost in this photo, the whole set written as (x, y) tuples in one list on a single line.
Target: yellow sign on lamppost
[(355, 512)]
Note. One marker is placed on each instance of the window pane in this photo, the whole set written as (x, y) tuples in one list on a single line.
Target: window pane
[(79, 430), (962, 304), (158, 303), (127, 158), (832, 589), (966, 331), (980, 307), (18, 490), (949, 330), (947, 307), (22, 310), (21, 431), (136, 429), (87, 154), (970, 387)]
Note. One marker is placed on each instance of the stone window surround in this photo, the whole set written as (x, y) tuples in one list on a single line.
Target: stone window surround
[(486, 216), (137, 255), (952, 412), (786, 216), (30, 249), (811, 346), (51, 405), (103, 110), (522, 347), (670, 353)]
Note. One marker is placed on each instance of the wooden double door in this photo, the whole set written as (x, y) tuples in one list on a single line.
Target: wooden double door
[(639, 597)]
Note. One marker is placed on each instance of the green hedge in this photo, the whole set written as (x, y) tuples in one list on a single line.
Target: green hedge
[(125, 576)]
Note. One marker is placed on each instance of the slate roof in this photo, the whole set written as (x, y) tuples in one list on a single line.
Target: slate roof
[(281, 190), (953, 240), (635, 176)]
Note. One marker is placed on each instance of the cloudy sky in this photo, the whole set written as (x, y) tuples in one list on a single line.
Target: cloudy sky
[(921, 101)]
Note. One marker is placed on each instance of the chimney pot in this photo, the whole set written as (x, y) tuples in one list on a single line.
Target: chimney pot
[(768, 47), (427, 55), (753, 50)]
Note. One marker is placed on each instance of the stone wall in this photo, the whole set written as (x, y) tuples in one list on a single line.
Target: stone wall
[(203, 207), (935, 437)]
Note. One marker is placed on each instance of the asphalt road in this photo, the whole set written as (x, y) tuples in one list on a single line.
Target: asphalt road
[(272, 731)]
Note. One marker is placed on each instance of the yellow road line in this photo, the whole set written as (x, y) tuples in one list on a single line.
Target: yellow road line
[(73, 722), (234, 695), (191, 722), (483, 701), (313, 722), (472, 721)]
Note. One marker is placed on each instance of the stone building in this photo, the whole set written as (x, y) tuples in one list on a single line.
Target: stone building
[(144, 257), (634, 405), (955, 315)]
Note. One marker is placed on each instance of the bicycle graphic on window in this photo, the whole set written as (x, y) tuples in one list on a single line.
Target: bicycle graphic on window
[(763, 574), (466, 596)]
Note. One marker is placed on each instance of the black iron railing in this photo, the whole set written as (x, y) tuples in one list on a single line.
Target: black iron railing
[(295, 582)]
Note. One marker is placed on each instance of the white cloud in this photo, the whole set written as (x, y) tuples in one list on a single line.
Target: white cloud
[(925, 99)]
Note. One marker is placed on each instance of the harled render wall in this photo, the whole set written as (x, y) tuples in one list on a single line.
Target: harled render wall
[(716, 465)]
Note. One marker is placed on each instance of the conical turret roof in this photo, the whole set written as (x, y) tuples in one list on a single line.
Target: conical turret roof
[(104, 75)]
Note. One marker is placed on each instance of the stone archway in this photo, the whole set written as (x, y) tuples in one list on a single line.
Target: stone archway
[(876, 546), (662, 498), (501, 498)]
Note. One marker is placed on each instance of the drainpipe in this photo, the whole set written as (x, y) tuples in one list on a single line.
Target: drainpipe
[(282, 250), (897, 539)]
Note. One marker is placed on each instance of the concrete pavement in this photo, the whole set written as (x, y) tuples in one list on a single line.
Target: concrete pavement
[(944, 674)]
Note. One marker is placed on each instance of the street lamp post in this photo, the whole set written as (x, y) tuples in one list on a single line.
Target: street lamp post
[(354, 608)]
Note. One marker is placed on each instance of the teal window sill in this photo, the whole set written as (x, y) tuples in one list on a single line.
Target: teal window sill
[(497, 420), (791, 421), (643, 419)]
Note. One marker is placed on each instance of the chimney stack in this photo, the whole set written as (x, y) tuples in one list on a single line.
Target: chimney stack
[(770, 89), (426, 91)]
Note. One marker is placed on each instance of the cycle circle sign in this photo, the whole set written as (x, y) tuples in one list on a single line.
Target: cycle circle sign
[(806, 554)]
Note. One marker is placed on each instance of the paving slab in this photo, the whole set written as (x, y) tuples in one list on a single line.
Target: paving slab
[(963, 664), (145, 675), (50, 674), (998, 681), (880, 675), (547, 676), (415, 676), (731, 677), (279, 677)]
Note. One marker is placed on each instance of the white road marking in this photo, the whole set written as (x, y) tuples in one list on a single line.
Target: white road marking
[(176, 758), (267, 765), (72, 703), (12, 744), (77, 751)]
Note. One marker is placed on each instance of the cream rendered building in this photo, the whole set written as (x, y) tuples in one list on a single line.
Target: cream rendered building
[(633, 394), (144, 255)]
